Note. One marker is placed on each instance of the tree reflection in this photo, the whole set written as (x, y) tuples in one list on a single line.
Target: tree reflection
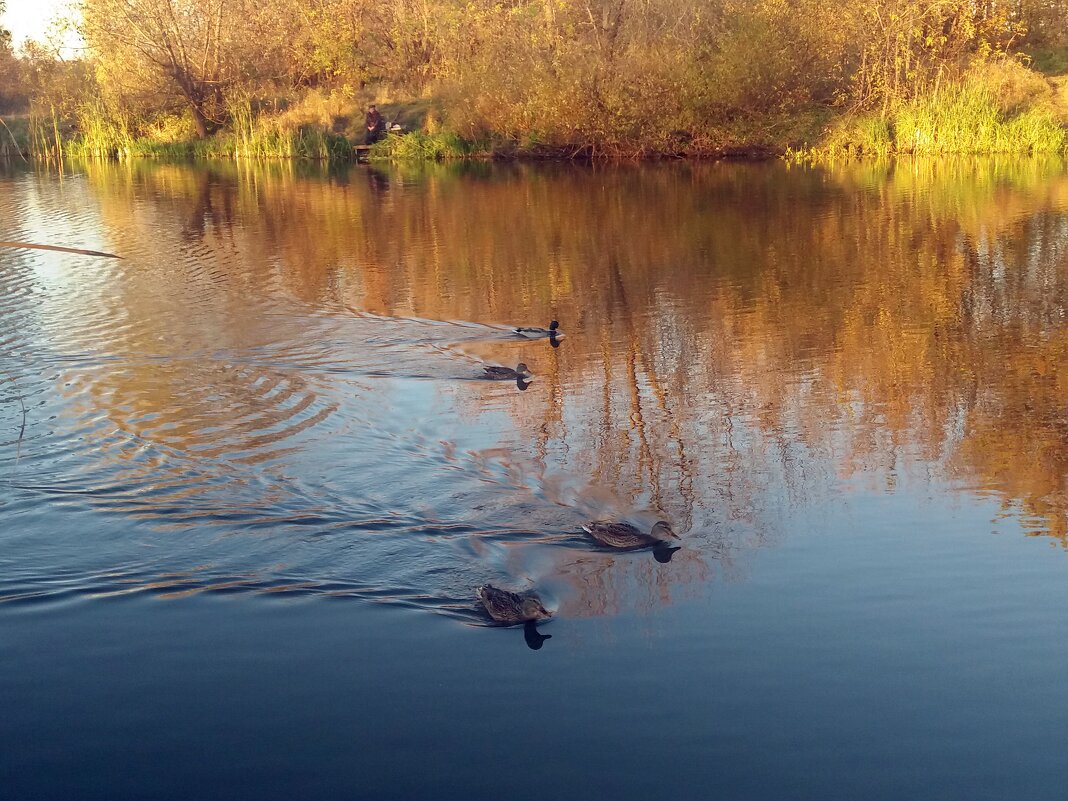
[(739, 337)]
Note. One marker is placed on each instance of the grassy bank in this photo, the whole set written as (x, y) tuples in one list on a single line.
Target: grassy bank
[(999, 107), (93, 130), (996, 108)]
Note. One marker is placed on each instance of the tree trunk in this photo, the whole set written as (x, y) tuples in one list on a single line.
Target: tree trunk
[(199, 121), (195, 97)]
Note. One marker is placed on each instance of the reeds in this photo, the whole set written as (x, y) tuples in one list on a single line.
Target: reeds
[(94, 132), (983, 113), (967, 118), (45, 139)]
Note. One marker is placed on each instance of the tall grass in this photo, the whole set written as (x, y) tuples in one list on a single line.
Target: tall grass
[(419, 146), (1002, 109), (45, 137), (94, 132), (968, 119)]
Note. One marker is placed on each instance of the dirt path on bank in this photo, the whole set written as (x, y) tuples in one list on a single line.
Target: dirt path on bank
[(1060, 96)]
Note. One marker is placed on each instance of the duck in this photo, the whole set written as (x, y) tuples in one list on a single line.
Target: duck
[(494, 372), (537, 333), (624, 535), (509, 607)]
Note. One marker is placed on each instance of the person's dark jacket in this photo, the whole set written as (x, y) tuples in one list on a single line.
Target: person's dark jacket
[(374, 121)]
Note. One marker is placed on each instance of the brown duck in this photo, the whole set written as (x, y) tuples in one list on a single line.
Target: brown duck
[(495, 373), (538, 333), (508, 607), (624, 535)]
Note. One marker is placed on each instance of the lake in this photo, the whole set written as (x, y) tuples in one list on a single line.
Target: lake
[(250, 478)]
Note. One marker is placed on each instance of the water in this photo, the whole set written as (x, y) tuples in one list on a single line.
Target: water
[(249, 480)]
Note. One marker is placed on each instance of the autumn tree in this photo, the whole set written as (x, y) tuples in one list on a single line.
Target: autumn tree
[(183, 52), (11, 94), (593, 76)]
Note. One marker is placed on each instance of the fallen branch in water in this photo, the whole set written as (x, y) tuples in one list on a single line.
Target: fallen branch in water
[(14, 141), (60, 249), (22, 431)]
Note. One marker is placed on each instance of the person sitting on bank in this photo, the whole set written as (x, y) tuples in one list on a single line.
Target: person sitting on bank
[(376, 125)]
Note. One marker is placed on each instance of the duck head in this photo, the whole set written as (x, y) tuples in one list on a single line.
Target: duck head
[(662, 531), (533, 610), (522, 370), (554, 325)]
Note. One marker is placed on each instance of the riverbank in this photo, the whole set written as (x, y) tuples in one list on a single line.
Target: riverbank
[(999, 107)]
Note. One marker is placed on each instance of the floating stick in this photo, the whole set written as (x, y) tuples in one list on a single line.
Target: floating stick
[(60, 249)]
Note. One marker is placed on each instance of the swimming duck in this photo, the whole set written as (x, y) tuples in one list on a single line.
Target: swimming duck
[(508, 607), (624, 535), (538, 333), (496, 373)]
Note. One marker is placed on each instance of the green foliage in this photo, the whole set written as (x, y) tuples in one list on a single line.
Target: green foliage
[(865, 135), (967, 119), (418, 146), (1050, 60), (995, 108)]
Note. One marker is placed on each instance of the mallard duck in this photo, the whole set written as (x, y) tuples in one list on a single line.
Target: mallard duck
[(538, 333), (494, 372), (508, 607), (624, 535)]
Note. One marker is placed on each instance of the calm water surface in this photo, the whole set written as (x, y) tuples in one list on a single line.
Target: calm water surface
[(249, 482)]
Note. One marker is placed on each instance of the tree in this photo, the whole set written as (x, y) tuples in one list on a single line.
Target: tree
[(186, 49), (11, 95)]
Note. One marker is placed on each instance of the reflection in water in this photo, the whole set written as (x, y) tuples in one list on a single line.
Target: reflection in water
[(534, 638), (279, 356), (663, 553)]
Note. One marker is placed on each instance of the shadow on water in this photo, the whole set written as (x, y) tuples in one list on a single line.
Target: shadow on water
[(274, 377), (533, 638)]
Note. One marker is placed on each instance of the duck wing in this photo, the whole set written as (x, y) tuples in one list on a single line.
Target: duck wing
[(617, 535), (493, 371), (532, 333)]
